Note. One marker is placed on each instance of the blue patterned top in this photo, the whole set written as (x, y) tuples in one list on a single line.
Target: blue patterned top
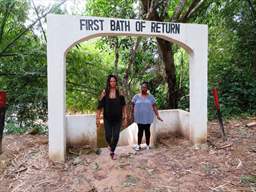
[(143, 109)]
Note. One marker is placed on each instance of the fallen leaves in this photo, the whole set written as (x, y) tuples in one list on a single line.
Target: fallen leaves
[(174, 165)]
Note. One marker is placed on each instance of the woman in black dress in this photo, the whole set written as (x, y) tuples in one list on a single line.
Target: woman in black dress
[(113, 105)]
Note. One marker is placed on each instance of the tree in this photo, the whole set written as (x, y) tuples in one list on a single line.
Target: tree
[(23, 67), (171, 11), (87, 69), (231, 55)]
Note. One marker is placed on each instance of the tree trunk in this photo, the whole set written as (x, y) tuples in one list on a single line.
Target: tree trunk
[(126, 83), (170, 70), (165, 51), (116, 57), (157, 11)]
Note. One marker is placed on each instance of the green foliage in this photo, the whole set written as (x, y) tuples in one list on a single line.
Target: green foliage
[(237, 91), (12, 128), (248, 180), (182, 74), (23, 65), (232, 50), (110, 8), (160, 93), (87, 69), (23, 68)]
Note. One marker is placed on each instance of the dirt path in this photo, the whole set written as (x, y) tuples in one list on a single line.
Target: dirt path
[(173, 166)]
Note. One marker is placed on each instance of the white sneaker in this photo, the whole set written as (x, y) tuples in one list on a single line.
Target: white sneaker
[(147, 148), (137, 148)]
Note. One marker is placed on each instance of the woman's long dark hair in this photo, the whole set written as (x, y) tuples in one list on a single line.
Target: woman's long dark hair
[(108, 86)]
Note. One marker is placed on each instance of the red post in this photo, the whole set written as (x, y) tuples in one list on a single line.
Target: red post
[(2, 99), (216, 98), (217, 105)]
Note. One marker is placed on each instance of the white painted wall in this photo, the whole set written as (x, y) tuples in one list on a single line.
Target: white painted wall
[(64, 31), (81, 129), (171, 124)]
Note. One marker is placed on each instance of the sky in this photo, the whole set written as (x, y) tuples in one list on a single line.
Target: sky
[(71, 5)]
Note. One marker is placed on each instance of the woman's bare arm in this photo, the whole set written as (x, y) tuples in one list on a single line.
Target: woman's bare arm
[(156, 112)]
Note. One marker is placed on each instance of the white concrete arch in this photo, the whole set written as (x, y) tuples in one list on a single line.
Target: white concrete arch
[(63, 32)]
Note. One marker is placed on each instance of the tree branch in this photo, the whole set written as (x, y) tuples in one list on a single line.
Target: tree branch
[(195, 5), (40, 23), (10, 54), (178, 10), (83, 86), (26, 74), (252, 8), (116, 47), (35, 52), (132, 58), (6, 14), (30, 26), (149, 8)]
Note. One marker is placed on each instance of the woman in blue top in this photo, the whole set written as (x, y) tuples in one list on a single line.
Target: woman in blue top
[(144, 107)]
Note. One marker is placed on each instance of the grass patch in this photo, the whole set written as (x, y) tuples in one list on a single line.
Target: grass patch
[(248, 179)]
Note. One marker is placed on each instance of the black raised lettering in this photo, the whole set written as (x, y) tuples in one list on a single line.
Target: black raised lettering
[(137, 26), (153, 27), (168, 28), (178, 28), (112, 25), (158, 28), (101, 24), (96, 25), (127, 26), (117, 25), (122, 25), (82, 23), (90, 24)]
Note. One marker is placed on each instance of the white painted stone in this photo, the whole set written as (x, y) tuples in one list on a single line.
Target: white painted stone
[(81, 129), (171, 124), (63, 32)]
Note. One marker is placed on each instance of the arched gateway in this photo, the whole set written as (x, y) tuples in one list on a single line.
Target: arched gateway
[(65, 31)]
